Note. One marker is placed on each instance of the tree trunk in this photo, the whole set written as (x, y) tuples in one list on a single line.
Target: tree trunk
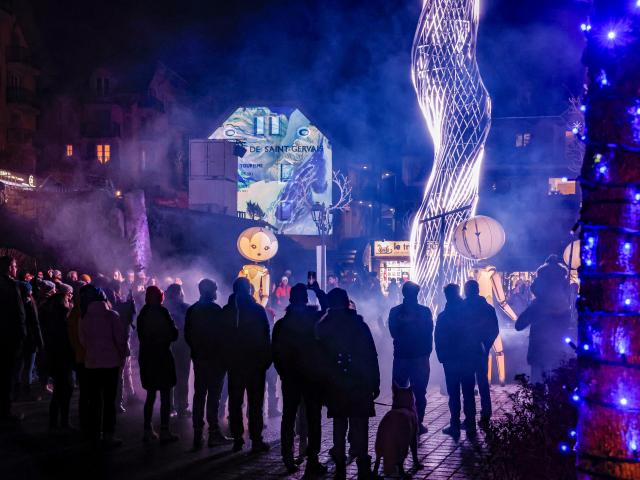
[(609, 344)]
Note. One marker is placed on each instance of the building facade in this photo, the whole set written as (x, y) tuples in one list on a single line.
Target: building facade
[(126, 127), (18, 99)]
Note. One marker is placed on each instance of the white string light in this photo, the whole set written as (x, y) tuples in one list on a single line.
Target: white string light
[(457, 110)]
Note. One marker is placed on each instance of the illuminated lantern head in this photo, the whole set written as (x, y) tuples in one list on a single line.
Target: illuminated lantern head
[(572, 256), (257, 244), (478, 238)]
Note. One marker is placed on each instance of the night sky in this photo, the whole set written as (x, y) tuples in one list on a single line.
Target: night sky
[(345, 63)]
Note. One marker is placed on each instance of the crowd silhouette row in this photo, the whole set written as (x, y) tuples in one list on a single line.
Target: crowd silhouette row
[(87, 333)]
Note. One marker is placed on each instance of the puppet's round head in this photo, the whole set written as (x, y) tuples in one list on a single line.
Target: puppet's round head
[(257, 244)]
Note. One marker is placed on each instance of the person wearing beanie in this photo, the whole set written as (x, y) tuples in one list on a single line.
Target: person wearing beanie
[(248, 353), (156, 332), (352, 376), (104, 340), (59, 354), (296, 357)]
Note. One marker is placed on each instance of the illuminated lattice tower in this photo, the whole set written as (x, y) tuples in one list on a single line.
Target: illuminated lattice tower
[(457, 109)]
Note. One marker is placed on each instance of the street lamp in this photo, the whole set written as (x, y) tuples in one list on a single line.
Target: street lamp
[(321, 217)]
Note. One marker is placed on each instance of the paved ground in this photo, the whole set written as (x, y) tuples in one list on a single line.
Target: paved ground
[(31, 452)]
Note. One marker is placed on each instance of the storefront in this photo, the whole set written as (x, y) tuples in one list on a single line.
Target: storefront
[(391, 260)]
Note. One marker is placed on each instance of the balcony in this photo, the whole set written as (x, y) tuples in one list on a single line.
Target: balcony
[(17, 54), (96, 130), (22, 97), (19, 136)]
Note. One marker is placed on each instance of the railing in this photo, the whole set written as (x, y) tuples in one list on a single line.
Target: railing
[(22, 96), (96, 130), (19, 136)]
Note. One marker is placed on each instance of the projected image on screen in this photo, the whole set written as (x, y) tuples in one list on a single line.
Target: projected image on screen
[(287, 166)]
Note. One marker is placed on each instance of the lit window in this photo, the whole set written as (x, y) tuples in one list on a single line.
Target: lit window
[(103, 152), (69, 150), (259, 125), (562, 186), (274, 125), (523, 139)]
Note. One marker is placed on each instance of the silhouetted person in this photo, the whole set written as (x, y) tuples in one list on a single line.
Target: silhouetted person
[(249, 355), (296, 357), (204, 332), (549, 319), (13, 331), (411, 326), (453, 347), (178, 309), (352, 376), (482, 322), (126, 308), (59, 354), (156, 333), (32, 343), (104, 339)]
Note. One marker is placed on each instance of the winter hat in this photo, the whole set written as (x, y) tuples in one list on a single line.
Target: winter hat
[(85, 278), (25, 289), (154, 296), (47, 287), (57, 274), (298, 295), (64, 288), (338, 299)]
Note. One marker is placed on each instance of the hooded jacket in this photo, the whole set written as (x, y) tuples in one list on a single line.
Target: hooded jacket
[(349, 364), (249, 344), (549, 322), (294, 345), (103, 336)]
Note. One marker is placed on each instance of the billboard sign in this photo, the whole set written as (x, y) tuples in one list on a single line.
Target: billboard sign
[(286, 168)]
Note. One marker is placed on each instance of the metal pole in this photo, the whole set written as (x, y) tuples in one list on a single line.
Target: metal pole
[(441, 247)]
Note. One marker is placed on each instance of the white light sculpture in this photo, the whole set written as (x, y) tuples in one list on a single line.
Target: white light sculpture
[(457, 109)]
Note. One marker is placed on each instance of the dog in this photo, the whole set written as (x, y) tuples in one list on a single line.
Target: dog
[(397, 432)]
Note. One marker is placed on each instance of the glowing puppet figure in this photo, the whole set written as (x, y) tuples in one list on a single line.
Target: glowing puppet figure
[(491, 289), (258, 245), (457, 110)]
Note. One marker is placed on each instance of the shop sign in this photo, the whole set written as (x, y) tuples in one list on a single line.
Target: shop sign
[(391, 249), (17, 180)]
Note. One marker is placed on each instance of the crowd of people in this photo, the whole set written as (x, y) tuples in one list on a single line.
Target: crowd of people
[(86, 333)]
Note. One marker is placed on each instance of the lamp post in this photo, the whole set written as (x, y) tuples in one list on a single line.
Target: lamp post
[(322, 218)]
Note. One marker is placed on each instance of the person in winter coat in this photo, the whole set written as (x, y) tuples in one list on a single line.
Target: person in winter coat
[(204, 333), (32, 343), (126, 308), (282, 292), (59, 353), (178, 309), (453, 344), (296, 356), (483, 327), (550, 321), (104, 339), (249, 355), (14, 331), (411, 326), (352, 376), (156, 332)]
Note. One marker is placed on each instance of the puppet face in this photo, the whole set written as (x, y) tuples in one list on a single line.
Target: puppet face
[(257, 244)]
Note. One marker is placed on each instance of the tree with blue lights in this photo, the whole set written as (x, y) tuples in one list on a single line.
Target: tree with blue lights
[(607, 437)]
